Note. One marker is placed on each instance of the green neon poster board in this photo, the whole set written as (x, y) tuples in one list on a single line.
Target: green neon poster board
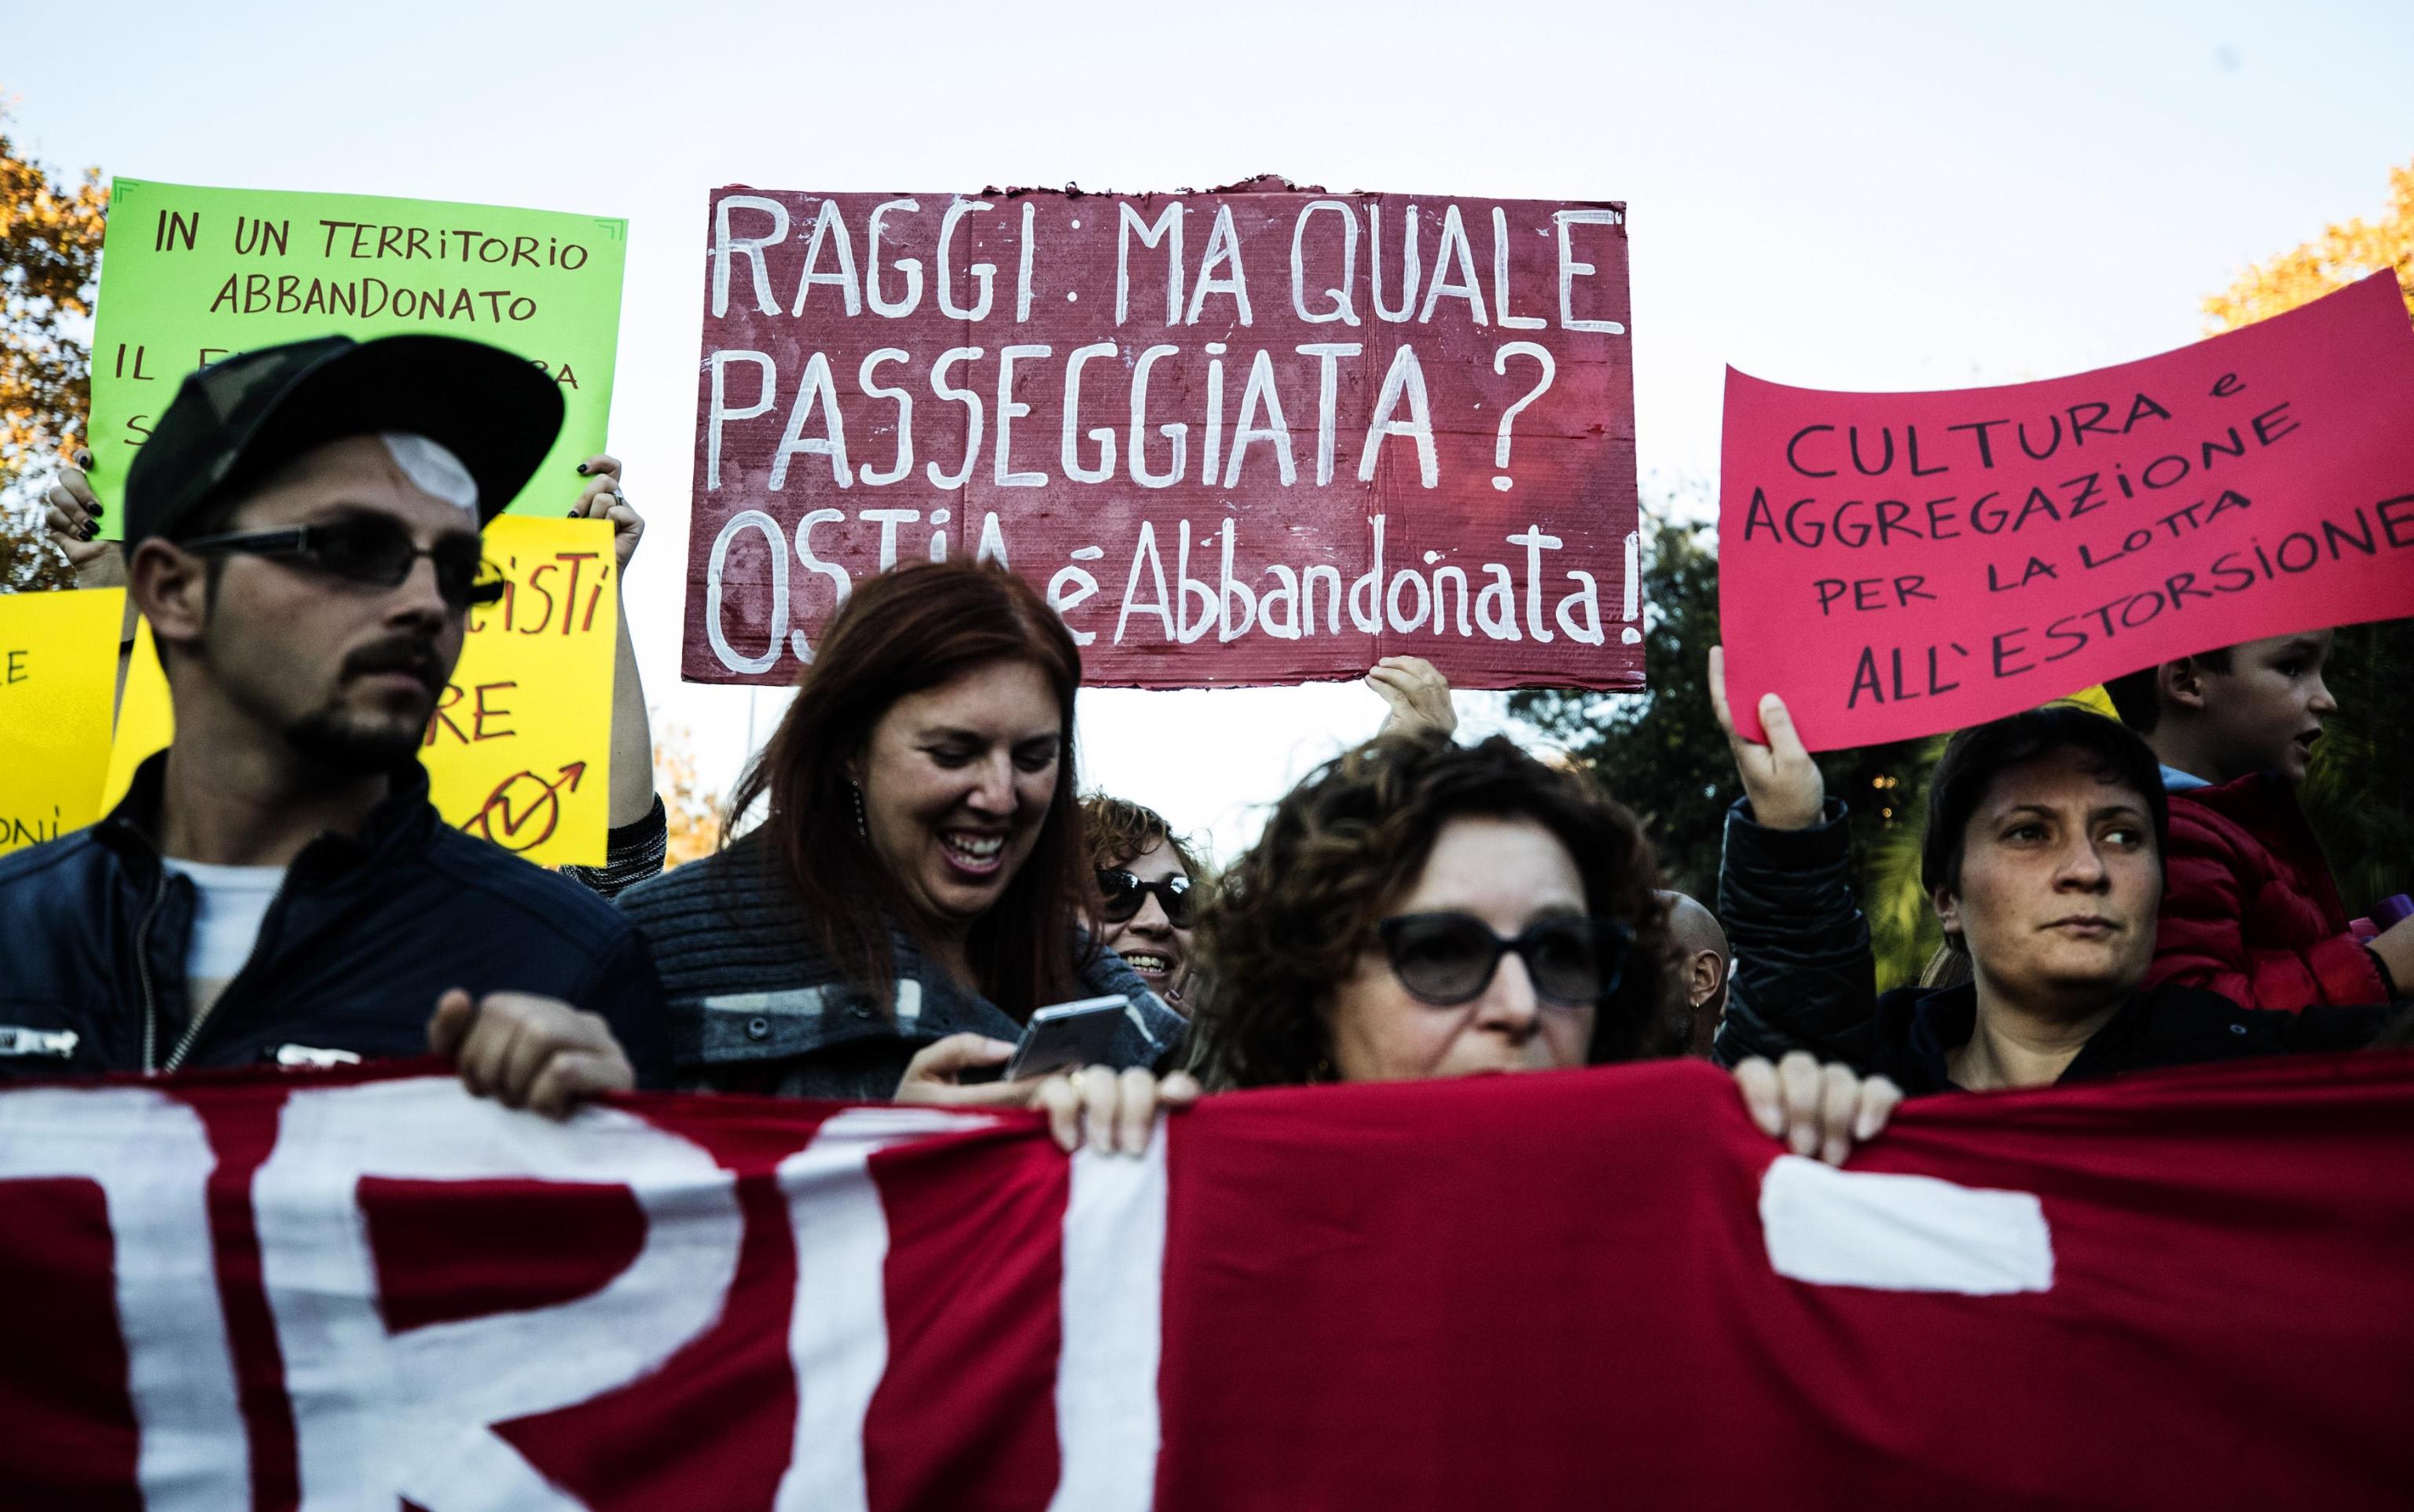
[(190, 275)]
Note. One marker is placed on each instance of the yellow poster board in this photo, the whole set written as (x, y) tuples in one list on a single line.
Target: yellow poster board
[(145, 721), (519, 750), (58, 670)]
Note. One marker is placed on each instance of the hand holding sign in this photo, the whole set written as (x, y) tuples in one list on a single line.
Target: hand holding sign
[(603, 500), (1786, 789), (71, 513), (1416, 693)]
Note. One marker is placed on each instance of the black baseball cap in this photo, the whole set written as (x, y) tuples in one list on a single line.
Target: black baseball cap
[(238, 420)]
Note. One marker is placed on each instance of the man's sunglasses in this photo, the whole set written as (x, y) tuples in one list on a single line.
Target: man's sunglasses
[(1447, 959), (1120, 895), (372, 551)]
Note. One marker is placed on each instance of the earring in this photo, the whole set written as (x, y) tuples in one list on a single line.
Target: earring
[(861, 829)]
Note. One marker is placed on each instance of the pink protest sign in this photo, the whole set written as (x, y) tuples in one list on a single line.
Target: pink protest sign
[(1896, 564), (1260, 435)]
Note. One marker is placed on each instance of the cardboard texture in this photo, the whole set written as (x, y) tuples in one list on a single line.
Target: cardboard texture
[(1259, 435)]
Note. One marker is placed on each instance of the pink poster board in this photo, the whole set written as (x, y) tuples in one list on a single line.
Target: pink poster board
[(1898, 564)]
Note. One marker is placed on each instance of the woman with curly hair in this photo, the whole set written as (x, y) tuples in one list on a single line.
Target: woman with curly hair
[(1149, 884), (1420, 909)]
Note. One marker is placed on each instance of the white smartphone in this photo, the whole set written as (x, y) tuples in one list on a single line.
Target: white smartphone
[(1064, 1036)]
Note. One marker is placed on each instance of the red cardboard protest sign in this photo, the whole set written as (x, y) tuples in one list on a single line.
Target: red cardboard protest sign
[(1260, 435), (1896, 564)]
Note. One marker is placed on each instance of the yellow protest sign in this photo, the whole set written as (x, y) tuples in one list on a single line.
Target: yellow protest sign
[(519, 750), (58, 668), (146, 721)]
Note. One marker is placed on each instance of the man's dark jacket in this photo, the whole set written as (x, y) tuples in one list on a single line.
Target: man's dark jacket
[(363, 938), (1804, 979)]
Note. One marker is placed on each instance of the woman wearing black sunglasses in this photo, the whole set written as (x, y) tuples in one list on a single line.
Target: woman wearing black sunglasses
[(1419, 909), (1148, 887)]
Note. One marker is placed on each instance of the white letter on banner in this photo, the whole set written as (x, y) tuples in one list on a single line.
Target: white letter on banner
[(152, 1159), (725, 246), (837, 1331), (744, 519), (380, 1414), (1570, 270), (1112, 1310), (1902, 1232), (717, 412)]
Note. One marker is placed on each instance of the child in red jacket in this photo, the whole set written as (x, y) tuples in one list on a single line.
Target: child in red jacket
[(2249, 908)]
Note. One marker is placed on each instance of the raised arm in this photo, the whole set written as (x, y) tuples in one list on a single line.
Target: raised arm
[(1804, 979), (639, 835)]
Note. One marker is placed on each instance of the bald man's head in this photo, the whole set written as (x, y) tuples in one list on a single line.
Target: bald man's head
[(1701, 966)]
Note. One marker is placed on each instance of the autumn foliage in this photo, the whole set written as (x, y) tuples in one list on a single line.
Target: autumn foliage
[(2343, 253), (693, 814), (50, 268)]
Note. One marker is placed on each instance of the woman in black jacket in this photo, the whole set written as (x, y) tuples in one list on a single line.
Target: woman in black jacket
[(919, 886), (2044, 862)]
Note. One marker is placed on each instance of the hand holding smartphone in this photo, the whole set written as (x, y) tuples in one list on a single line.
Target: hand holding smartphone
[(1067, 1036)]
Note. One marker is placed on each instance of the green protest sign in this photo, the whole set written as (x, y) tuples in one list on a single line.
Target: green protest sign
[(190, 275)]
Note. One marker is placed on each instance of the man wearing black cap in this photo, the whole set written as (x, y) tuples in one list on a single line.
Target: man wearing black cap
[(302, 531)]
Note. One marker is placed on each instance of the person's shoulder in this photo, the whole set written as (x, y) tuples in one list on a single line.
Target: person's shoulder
[(2245, 807), (2177, 1000), (37, 867), (2216, 822), (735, 874), (494, 877)]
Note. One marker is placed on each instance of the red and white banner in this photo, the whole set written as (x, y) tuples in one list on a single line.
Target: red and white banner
[(1592, 1289)]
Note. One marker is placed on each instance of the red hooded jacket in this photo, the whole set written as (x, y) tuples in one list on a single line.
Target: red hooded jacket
[(2249, 910)]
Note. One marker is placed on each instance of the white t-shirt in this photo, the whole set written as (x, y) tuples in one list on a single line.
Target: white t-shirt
[(232, 904)]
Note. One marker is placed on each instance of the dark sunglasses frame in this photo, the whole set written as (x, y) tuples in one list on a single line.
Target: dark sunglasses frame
[(1121, 902), (1611, 942), (312, 544)]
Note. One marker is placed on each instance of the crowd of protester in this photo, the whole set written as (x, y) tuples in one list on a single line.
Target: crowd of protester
[(912, 874)]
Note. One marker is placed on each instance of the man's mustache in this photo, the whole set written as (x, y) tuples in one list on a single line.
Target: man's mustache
[(413, 654)]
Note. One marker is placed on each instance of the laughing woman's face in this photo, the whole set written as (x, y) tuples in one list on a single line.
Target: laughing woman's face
[(1148, 941), (955, 781)]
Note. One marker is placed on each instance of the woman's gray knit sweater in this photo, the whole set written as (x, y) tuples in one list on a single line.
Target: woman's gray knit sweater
[(756, 1007)]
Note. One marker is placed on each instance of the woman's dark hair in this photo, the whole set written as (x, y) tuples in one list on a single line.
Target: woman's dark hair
[(901, 633), (1975, 757), (1288, 923), (1118, 831)]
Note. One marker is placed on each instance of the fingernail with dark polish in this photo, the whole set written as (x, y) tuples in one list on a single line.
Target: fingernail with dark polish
[(83, 459), (582, 470), (90, 530)]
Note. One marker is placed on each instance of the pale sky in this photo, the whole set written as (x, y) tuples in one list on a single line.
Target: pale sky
[(1865, 196)]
